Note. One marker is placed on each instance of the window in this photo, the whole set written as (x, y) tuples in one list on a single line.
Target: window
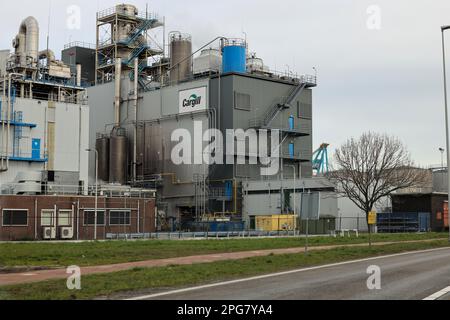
[(15, 217), (119, 218), (64, 217), (89, 217), (304, 110), (242, 101), (47, 217)]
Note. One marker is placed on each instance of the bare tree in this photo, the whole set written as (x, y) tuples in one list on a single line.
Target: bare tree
[(373, 167)]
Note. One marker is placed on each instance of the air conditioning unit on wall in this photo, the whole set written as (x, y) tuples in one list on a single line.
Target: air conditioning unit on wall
[(67, 233), (49, 233)]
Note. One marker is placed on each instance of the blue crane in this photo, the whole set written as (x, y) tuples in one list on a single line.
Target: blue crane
[(320, 159)]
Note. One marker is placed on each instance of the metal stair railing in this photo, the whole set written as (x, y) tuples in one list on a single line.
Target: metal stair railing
[(140, 47), (137, 31), (274, 111), (141, 68), (143, 84)]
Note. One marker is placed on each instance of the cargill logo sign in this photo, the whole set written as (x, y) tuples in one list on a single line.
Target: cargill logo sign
[(193, 100)]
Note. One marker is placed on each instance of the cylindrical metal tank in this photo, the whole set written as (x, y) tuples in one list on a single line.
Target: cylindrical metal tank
[(102, 146), (234, 55), (127, 10), (180, 56), (118, 156)]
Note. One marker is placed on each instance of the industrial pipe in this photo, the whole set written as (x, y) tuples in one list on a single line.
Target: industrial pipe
[(28, 40), (78, 75), (117, 91), (8, 120), (136, 75)]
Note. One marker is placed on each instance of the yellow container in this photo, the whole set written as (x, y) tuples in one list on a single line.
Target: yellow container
[(276, 222)]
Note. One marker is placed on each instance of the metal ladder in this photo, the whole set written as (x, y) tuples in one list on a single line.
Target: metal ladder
[(273, 112), (136, 32)]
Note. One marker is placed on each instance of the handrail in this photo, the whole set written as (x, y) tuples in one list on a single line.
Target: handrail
[(80, 44), (113, 10)]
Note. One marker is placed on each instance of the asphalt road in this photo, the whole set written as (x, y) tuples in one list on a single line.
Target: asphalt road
[(413, 276)]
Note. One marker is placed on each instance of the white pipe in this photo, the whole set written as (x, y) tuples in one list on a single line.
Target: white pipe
[(3, 127), (78, 220), (78, 75), (35, 217), (138, 216), (28, 33), (117, 91), (8, 122)]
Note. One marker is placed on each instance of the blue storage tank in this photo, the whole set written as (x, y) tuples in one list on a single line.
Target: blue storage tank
[(291, 123), (234, 55), (291, 150)]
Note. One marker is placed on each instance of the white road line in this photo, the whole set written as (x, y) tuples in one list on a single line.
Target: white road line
[(438, 294), (279, 274)]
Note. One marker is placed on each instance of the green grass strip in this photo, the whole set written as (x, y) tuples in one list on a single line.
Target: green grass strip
[(102, 253), (151, 279)]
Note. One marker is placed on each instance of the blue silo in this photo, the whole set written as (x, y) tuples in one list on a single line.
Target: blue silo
[(234, 53)]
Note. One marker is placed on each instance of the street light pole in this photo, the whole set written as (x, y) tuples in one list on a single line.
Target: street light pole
[(443, 28), (96, 191), (442, 171)]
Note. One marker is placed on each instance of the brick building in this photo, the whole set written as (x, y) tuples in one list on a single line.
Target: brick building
[(73, 217)]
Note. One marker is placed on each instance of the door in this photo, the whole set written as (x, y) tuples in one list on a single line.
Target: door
[(36, 149)]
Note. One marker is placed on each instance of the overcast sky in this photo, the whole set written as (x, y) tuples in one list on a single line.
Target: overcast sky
[(385, 79)]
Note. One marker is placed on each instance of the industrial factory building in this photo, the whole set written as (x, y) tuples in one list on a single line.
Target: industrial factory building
[(44, 150), (44, 118), (141, 97), (115, 114)]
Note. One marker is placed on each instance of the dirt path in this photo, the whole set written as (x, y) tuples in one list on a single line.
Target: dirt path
[(43, 275)]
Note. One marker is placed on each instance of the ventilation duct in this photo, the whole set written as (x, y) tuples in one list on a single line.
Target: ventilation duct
[(27, 41)]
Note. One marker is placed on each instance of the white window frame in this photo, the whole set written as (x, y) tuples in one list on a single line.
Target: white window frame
[(13, 225), (52, 224), (70, 212), (119, 210)]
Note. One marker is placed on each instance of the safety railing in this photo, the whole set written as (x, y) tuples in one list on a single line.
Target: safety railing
[(79, 44), (75, 189), (113, 11)]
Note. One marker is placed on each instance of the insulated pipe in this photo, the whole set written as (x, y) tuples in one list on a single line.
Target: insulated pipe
[(8, 124), (136, 75), (8, 120), (29, 31), (117, 91), (2, 168), (78, 75)]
